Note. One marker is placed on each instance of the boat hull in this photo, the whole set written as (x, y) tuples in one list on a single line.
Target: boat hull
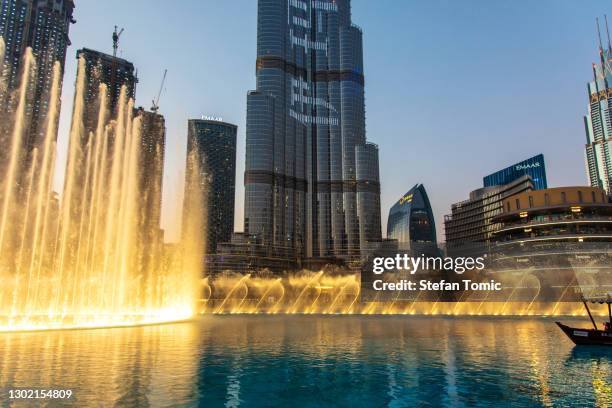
[(590, 337)]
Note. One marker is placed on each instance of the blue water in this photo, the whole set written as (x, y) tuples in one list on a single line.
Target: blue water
[(310, 361)]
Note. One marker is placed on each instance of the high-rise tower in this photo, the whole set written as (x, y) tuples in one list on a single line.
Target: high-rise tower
[(213, 144), (311, 179), (43, 26), (598, 121), (411, 221), (150, 177), (114, 72)]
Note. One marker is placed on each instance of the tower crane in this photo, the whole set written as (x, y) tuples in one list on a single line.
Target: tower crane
[(155, 101), (116, 35)]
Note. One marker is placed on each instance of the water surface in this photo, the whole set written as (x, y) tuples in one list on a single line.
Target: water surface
[(312, 361)]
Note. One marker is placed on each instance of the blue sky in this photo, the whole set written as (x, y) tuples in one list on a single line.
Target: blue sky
[(454, 89)]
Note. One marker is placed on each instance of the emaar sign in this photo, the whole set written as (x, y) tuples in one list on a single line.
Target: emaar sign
[(527, 166)]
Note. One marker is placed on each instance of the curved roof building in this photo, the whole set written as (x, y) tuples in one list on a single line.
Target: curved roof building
[(559, 238), (574, 215), (411, 221)]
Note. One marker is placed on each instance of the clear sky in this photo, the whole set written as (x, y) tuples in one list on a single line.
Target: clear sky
[(454, 89)]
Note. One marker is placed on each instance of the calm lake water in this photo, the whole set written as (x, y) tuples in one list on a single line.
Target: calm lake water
[(313, 361)]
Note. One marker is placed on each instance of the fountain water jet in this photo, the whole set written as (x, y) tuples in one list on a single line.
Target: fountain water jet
[(11, 175), (78, 261), (43, 189), (2, 53)]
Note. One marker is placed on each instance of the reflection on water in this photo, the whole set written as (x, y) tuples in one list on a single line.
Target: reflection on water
[(294, 360), (132, 367)]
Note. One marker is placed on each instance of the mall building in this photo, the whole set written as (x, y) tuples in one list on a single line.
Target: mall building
[(557, 239), (564, 214)]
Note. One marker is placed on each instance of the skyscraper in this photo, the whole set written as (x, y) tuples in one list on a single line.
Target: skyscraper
[(103, 73), (213, 144), (311, 179), (151, 172), (598, 121), (42, 25), (411, 221), (114, 72)]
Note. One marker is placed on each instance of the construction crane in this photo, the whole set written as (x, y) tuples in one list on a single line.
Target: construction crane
[(116, 35), (155, 101)]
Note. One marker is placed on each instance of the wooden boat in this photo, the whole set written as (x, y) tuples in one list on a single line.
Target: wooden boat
[(594, 336)]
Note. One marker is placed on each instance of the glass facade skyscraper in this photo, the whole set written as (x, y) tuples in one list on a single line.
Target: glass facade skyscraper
[(533, 167), (311, 180), (411, 221), (598, 122), (43, 26), (213, 144)]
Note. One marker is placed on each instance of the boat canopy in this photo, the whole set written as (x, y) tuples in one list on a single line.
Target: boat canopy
[(598, 298)]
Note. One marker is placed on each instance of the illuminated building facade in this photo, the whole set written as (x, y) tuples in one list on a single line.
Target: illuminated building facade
[(42, 25), (563, 214), (312, 179), (411, 221), (598, 122), (534, 167), (560, 236)]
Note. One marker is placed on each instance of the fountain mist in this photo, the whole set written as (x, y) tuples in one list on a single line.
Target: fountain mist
[(80, 261)]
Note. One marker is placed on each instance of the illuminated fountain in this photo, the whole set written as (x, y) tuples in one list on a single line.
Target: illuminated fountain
[(321, 293), (79, 261)]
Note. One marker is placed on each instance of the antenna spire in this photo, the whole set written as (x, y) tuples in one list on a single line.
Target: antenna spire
[(599, 34), (608, 33)]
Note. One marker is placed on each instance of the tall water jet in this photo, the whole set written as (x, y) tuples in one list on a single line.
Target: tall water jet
[(15, 150), (70, 183), (43, 191), (2, 53), (194, 218)]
